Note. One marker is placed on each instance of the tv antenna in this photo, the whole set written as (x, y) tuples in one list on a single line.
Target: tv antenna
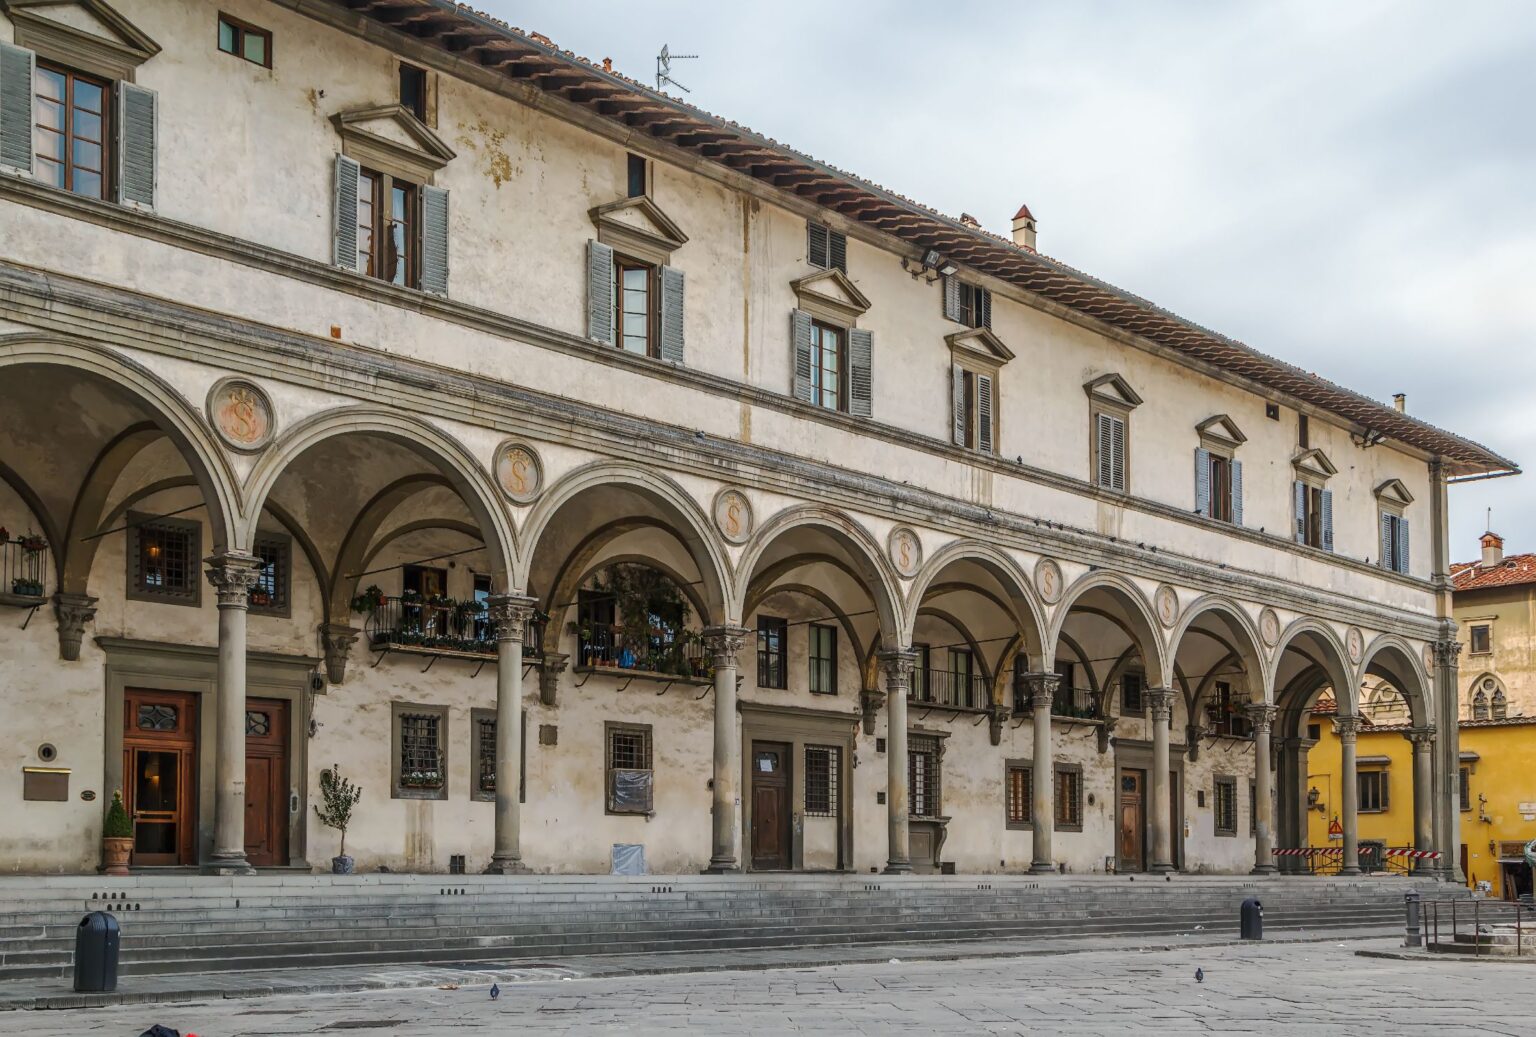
[(664, 68)]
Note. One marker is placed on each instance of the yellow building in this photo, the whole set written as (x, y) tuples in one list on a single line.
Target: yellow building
[(1495, 606)]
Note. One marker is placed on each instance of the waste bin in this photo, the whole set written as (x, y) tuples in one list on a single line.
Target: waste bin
[(1253, 919), (96, 953)]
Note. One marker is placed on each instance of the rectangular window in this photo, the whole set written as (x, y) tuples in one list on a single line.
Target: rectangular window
[(961, 669), (388, 228), (244, 40), (639, 176), (634, 302), (823, 656), (270, 594), (975, 306), (923, 776), (825, 247), (1394, 542), (1021, 795), (1221, 488), (629, 769), (484, 733), (71, 130), (1373, 791), (828, 364), (1303, 431), (1309, 502), (822, 766), (1480, 639), (1069, 798), (1109, 451), (1226, 806), (772, 636), (1314, 732), (1131, 687), (419, 744), (1253, 808), (413, 90), (163, 557), (1464, 787)]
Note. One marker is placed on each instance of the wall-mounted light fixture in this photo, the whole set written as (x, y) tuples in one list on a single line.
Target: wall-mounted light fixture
[(931, 266), (1314, 800)]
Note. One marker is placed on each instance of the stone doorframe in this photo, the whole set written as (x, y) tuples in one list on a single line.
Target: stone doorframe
[(799, 728), (1136, 754), (194, 668)]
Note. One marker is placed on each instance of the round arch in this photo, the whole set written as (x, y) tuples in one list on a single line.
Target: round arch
[(1236, 633), (1392, 657), (1317, 642), (1142, 626), (1029, 613)]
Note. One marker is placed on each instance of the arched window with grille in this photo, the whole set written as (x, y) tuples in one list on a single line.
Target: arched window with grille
[(1480, 706), (1500, 706)]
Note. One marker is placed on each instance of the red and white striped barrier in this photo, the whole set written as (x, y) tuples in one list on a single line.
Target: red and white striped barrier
[(1414, 855), (1337, 851)]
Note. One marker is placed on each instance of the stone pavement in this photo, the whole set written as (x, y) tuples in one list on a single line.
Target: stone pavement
[(1272, 988)]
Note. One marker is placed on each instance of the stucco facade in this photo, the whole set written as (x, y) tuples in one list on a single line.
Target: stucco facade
[(207, 364)]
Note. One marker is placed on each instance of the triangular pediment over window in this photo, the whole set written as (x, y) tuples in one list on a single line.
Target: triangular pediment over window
[(638, 227), (1112, 389), (1393, 492), (1314, 463), (86, 34), (979, 344), (1221, 430), (391, 139), (830, 295)]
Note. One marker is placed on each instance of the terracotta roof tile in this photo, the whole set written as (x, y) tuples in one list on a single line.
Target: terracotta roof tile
[(1511, 572)]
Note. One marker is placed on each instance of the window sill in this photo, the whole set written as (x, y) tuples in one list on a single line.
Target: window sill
[(1059, 827), (1221, 834), (1019, 826), (403, 792)]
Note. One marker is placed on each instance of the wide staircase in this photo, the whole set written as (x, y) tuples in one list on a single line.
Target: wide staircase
[(173, 923)]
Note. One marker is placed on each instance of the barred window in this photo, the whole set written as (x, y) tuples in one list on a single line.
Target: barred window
[(270, 594), (822, 766), (772, 633), (630, 777), (1131, 685), (421, 750), (1069, 797), (1253, 809), (485, 755), (1021, 795), (1464, 788), (163, 559), (1226, 806), (923, 776)]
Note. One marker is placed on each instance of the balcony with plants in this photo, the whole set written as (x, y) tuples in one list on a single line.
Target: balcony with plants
[(635, 620), (25, 562), (437, 624)]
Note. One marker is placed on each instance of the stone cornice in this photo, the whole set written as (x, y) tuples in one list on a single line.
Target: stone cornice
[(113, 316)]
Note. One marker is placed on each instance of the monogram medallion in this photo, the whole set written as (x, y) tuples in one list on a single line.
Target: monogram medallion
[(519, 472), (733, 515), (241, 414), (1049, 581), (906, 551)]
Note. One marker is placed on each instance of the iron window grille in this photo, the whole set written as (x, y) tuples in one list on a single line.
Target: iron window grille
[(1021, 796), (1226, 806), (630, 775), (485, 755), (822, 767), (421, 750), (1131, 687), (923, 776), (1464, 788), (163, 555), (270, 593), (1069, 798), (156, 717)]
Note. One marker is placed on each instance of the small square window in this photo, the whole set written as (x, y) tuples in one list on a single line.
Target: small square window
[(244, 40), (163, 560), (1481, 638), (826, 248), (413, 90), (1272, 411), (975, 306)]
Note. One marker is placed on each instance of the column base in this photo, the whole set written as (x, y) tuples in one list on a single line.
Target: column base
[(227, 864), (721, 866), (1163, 869), (1042, 868), (1351, 871), (507, 866), (898, 868), (1264, 869)]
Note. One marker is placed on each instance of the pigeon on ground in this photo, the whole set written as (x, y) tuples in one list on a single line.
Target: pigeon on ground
[(1199, 976), (495, 991)]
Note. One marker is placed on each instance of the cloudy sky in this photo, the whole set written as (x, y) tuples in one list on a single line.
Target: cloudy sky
[(1348, 186)]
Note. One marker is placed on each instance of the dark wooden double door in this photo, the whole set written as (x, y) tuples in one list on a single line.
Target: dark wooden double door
[(772, 848), (160, 777)]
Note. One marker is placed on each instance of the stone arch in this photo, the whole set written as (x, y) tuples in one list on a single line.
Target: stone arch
[(1224, 622), (1392, 657), (1139, 621), (1028, 612), (1317, 642)]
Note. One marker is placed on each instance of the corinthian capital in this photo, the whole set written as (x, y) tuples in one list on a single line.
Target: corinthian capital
[(74, 611), (1347, 728), (510, 614), (233, 574), (897, 666), (723, 644), (1447, 652), (1160, 703), (1262, 715)]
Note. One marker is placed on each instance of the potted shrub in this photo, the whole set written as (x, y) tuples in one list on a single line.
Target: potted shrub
[(370, 601), (117, 836), (340, 797)]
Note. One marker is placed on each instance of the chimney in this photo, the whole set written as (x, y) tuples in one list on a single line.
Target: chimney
[(1024, 228), (969, 220), (1400, 401), (1493, 550)]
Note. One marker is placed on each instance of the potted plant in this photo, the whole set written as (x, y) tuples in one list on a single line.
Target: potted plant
[(30, 588), (340, 797), (32, 543), (371, 600), (117, 836)]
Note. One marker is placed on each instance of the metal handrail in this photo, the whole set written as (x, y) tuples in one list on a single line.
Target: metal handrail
[(1494, 912)]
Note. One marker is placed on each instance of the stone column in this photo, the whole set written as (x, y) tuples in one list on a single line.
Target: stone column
[(898, 675), (1423, 740), (510, 613), (1262, 716), (1160, 705), (1446, 806), (1349, 792), (723, 644), (232, 574), (1042, 694)]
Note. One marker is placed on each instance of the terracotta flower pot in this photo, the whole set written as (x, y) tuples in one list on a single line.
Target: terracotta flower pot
[(117, 853)]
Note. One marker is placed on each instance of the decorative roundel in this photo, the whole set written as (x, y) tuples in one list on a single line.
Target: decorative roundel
[(1167, 601), (1354, 644), (906, 551), (1489, 684), (519, 472), (1269, 627), (1049, 581), (1429, 659), (733, 515), (241, 413)]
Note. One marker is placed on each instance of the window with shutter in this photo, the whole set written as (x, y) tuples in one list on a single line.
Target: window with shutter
[(379, 222), (16, 119), (1314, 516), (672, 314), (600, 292), (71, 140), (801, 327), (434, 240), (138, 127), (1394, 542), (975, 306), (984, 428), (1109, 451), (860, 375), (1326, 518), (349, 225), (825, 247), (951, 297)]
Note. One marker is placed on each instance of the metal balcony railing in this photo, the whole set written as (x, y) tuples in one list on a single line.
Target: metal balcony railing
[(25, 563), (442, 625), (951, 690), (662, 651), (1075, 703)]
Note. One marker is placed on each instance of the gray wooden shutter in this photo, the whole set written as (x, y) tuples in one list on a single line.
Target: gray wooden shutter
[(138, 126), (16, 74), (816, 244), (837, 247), (800, 353), (672, 314), (1402, 545), (1105, 448), (951, 297), (984, 413), (1237, 493), (985, 298), (1117, 440), (861, 355), (1327, 520), (344, 231), (1388, 560), (434, 240), (1202, 481), (957, 404), (1299, 492), (600, 292)]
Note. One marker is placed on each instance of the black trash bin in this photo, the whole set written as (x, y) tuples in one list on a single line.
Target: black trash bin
[(96, 953), (1253, 919)]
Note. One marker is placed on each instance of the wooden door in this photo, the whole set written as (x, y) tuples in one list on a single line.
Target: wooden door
[(266, 782), (160, 775), (770, 806), (1133, 824)]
